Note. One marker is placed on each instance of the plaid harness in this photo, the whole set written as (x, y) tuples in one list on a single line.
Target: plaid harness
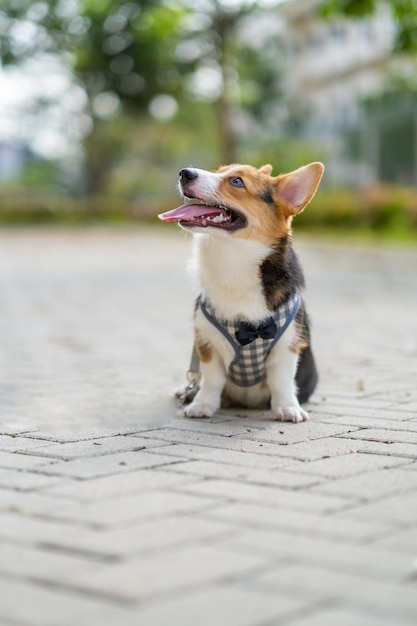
[(248, 365)]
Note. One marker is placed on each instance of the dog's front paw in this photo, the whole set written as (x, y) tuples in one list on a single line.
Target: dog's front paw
[(290, 414), (200, 409)]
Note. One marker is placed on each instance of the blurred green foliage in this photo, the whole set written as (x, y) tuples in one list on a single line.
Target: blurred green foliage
[(163, 81), (113, 46), (132, 57), (382, 209), (404, 13)]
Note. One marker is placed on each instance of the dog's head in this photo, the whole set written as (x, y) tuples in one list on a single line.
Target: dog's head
[(242, 201)]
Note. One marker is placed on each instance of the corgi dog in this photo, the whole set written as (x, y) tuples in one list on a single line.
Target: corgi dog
[(252, 333)]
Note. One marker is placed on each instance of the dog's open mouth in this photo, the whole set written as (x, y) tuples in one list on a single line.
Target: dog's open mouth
[(203, 215)]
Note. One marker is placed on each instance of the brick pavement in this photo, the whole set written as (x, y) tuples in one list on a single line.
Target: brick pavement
[(115, 510)]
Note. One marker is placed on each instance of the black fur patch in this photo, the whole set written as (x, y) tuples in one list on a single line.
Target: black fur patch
[(266, 196), (306, 377), (281, 274)]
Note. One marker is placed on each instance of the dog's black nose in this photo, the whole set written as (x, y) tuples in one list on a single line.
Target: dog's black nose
[(187, 175)]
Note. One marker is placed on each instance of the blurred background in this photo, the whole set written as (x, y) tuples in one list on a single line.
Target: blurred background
[(103, 101)]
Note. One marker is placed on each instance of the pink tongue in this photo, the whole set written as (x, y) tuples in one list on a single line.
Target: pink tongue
[(188, 212)]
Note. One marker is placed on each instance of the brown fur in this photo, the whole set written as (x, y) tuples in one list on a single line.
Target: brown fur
[(266, 223), (204, 348), (302, 340)]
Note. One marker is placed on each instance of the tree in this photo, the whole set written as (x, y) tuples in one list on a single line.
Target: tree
[(247, 67), (114, 46), (130, 53), (117, 52), (404, 13)]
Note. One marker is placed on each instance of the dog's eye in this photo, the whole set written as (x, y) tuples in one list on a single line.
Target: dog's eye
[(236, 181)]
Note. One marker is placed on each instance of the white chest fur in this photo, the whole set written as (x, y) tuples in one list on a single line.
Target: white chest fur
[(229, 273)]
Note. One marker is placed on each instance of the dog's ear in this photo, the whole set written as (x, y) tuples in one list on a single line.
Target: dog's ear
[(265, 169), (298, 188)]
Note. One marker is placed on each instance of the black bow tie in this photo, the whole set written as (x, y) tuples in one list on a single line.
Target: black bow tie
[(247, 333)]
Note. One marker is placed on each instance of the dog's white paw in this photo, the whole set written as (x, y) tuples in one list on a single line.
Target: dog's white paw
[(290, 414), (200, 409)]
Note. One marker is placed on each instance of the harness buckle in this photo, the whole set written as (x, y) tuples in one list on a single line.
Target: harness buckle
[(193, 377), (191, 389)]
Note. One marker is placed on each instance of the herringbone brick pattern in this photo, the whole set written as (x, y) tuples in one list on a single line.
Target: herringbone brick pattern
[(116, 510)]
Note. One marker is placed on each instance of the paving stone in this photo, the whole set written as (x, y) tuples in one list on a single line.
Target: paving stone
[(411, 466), (352, 399), (123, 510), (352, 464), (151, 576), (224, 425), (310, 450), (408, 425), (363, 412), (118, 485), (402, 542), (132, 508), (281, 433), (367, 560), (44, 606), (18, 528), (287, 433), (343, 616), (224, 455), (399, 510), (95, 447), (22, 561), (25, 480), (303, 451), (14, 428), (337, 526), (401, 450), (234, 606), (257, 445), (107, 465), (382, 598), (235, 491), (60, 434), (385, 436), (372, 486), (141, 537), (410, 407), (37, 503), (14, 460), (70, 434), (278, 477), (194, 437), (13, 443)]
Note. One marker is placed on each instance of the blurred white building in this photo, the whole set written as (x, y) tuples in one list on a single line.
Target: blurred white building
[(333, 66), (13, 158)]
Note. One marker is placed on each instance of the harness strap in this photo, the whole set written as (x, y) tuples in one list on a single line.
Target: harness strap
[(222, 330), (235, 345), (194, 374)]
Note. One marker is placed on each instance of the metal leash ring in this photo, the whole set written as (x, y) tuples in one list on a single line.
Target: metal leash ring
[(193, 377), (189, 393)]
